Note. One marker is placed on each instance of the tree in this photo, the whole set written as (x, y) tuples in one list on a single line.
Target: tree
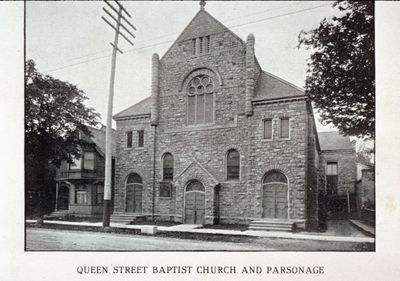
[(54, 115), (341, 73)]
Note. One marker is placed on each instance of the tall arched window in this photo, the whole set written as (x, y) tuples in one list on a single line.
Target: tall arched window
[(200, 107), (233, 165), (168, 167)]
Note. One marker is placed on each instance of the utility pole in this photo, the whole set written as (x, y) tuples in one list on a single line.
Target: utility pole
[(117, 14)]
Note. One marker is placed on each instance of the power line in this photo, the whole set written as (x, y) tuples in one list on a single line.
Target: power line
[(169, 41), (175, 33), (278, 16)]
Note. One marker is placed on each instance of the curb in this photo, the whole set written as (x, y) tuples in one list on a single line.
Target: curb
[(202, 235)]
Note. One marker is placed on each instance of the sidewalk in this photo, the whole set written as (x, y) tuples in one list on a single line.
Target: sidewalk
[(194, 229), (363, 227)]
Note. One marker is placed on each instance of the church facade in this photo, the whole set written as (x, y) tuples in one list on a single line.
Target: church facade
[(219, 140)]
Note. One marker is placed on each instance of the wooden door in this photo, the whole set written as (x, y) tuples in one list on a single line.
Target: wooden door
[(137, 198), (129, 198), (194, 207), (63, 198), (134, 198), (275, 201)]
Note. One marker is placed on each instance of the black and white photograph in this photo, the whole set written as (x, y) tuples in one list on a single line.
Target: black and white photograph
[(203, 128)]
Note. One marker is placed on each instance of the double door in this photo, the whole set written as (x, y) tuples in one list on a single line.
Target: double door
[(275, 202), (194, 207), (134, 198)]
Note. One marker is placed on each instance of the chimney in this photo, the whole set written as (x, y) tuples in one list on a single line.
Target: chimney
[(155, 89), (250, 73)]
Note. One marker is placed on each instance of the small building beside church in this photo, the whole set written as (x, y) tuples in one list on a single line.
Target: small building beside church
[(80, 185), (219, 140), (339, 159)]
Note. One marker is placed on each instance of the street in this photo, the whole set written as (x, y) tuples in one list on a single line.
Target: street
[(38, 239)]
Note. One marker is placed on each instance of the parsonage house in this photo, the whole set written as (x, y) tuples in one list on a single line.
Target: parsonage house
[(219, 140), (80, 185)]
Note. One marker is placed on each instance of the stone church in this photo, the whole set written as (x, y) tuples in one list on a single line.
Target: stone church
[(219, 140)]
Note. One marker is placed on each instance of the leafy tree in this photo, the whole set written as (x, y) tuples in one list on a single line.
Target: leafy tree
[(54, 114), (341, 72)]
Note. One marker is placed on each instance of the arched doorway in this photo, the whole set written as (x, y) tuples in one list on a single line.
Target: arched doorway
[(275, 190), (134, 190), (63, 198), (194, 203)]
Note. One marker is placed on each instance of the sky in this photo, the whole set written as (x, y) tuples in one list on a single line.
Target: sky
[(69, 40)]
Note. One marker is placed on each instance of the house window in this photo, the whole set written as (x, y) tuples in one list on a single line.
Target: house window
[(268, 129), (284, 128), (207, 44), (200, 106), (88, 160), (168, 167), (140, 138), (233, 165), (165, 190), (76, 164), (100, 194), (331, 178), (129, 139), (81, 196)]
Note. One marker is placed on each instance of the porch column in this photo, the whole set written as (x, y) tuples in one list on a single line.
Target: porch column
[(56, 208)]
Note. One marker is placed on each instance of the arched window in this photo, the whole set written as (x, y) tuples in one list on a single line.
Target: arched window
[(200, 106), (274, 177), (233, 165), (195, 185), (134, 178), (168, 167)]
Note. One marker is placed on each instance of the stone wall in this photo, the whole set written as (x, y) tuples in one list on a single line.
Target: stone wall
[(313, 172), (136, 159), (347, 170), (200, 151)]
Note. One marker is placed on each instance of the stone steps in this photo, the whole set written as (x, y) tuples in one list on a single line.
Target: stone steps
[(126, 218), (58, 214), (272, 225)]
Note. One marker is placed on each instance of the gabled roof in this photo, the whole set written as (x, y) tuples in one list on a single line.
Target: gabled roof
[(202, 24), (140, 108), (270, 86), (334, 141), (99, 139)]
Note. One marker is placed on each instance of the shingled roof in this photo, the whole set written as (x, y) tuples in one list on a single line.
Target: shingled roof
[(140, 108), (270, 86), (334, 141), (99, 138)]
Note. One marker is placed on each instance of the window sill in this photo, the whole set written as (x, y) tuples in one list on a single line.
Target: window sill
[(267, 140), (80, 204), (201, 127), (199, 55), (133, 148), (231, 182)]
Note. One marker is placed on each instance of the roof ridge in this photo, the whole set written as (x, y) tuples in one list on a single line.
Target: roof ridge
[(191, 21)]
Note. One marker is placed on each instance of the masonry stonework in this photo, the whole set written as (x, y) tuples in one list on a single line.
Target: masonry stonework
[(243, 97)]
